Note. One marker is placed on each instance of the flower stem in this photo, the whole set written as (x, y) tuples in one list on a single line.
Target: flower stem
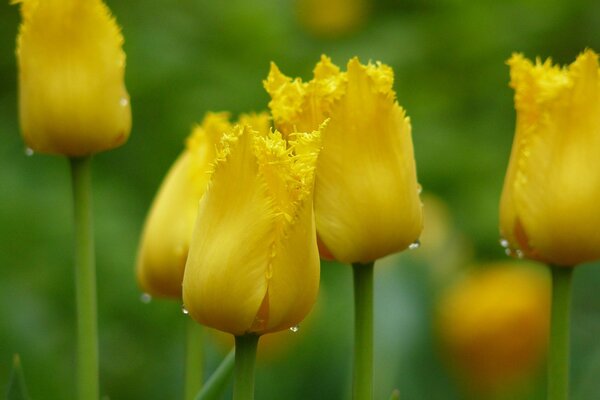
[(363, 331), (245, 359), (558, 358), (85, 280), (193, 359), (215, 386)]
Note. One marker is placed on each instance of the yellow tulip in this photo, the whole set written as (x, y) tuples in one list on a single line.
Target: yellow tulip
[(72, 96), (332, 18), (366, 192), (168, 229), (494, 325), (253, 264), (549, 206)]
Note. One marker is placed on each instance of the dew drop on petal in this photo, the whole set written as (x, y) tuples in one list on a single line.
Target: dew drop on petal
[(28, 151), (519, 254), (184, 310), (419, 188), (145, 298), (504, 243), (415, 245), (295, 328), (124, 102)]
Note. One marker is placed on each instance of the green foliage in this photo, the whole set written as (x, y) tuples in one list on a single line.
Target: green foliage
[(187, 57)]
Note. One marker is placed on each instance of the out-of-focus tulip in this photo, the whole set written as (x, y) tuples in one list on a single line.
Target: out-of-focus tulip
[(549, 206), (168, 229), (494, 325), (332, 18), (72, 96), (253, 264), (366, 192)]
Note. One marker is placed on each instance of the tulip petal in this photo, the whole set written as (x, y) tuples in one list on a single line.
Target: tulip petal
[(168, 228), (253, 264), (366, 197), (225, 280), (72, 95), (552, 189)]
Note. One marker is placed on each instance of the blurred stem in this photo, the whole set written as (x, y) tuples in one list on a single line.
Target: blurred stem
[(245, 359), (215, 386), (194, 360), (558, 359), (85, 280), (363, 331)]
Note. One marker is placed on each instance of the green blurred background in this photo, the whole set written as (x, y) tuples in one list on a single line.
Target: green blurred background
[(185, 58)]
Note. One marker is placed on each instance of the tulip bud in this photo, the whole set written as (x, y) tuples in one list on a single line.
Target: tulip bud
[(332, 18), (549, 206), (72, 97), (253, 264), (168, 229), (367, 201), (494, 326)]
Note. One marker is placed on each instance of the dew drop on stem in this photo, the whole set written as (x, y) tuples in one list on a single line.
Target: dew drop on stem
[(145, 298)]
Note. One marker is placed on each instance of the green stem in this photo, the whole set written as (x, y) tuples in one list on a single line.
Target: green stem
[(245, 359), (215, 386), (85, 281), (363, 331), (193, 359), (558, 358)]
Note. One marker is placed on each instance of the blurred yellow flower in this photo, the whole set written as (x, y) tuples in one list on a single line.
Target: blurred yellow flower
[(253, 264), (168, 229), (72, 95), (549, 206), (332, 18), (366, 192), (494, 325)]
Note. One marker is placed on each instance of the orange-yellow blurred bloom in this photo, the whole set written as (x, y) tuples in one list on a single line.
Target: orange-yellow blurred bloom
[(366, 192), (332, 18), (168, 229), (549, 207), (253, 264), (494, 325), (72, 96)]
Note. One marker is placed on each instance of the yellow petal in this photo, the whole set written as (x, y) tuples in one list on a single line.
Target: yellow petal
[(366, 196), (167, 233), (168, 229), (72, 96), (303, 107), (552, 188), (253, 264)]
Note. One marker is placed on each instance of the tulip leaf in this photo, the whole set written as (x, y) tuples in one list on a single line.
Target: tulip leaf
[(217, 383), (16, 383)]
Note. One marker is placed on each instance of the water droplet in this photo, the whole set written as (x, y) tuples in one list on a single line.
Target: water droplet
[(519, 253), (145, 298), (419, 188), (269, 273), (28, 151), (124, 101), (415, 245), (184, 310), (508, 251), (295, 328), (179, 250), (504, 243)]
